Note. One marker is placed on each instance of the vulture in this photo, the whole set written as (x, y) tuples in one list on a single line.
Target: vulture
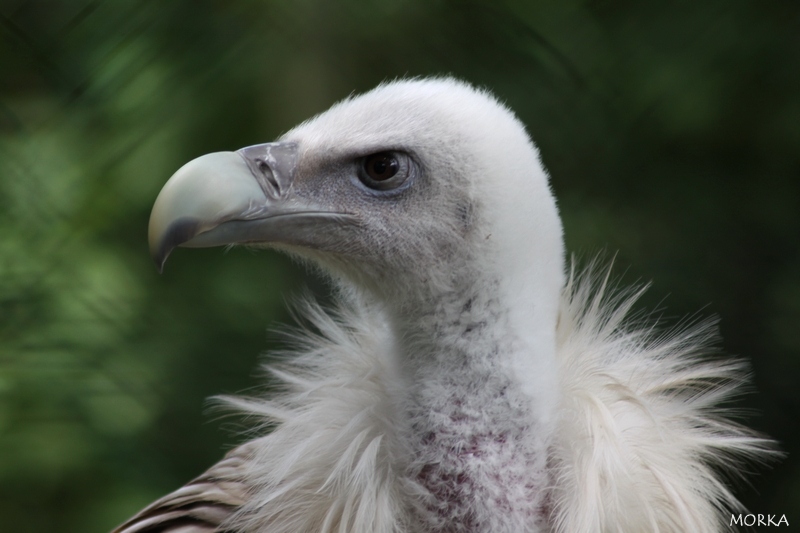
[(468, 378)]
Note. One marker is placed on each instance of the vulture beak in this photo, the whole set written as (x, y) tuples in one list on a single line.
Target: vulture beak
[(233, 197)]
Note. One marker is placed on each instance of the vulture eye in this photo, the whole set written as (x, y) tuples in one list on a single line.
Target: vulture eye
[(381, 167), (384, 170)]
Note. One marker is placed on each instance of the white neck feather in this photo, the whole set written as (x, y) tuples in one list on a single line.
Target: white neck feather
[(477, 402)]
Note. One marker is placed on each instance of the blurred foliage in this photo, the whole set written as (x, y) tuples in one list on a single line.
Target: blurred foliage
[(671, 131)]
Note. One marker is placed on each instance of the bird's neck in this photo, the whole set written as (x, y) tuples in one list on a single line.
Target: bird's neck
[(478, 404)]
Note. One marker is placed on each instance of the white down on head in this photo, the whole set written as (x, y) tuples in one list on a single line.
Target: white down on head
[(465, 383)]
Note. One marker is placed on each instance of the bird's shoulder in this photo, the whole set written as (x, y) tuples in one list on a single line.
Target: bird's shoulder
[(325, 428), (202, 505)]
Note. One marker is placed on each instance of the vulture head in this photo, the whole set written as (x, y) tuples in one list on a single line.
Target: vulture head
[(415, 189), (468, 385)]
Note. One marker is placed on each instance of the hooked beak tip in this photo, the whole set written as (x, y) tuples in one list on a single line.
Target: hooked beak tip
[(179, 232)]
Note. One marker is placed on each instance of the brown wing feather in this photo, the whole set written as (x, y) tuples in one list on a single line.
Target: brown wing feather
[(200, 506)]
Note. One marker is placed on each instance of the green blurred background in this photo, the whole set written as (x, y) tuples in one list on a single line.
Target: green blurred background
[(671, 131)]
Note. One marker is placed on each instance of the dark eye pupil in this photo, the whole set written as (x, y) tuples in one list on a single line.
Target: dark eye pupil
[(381, 167)]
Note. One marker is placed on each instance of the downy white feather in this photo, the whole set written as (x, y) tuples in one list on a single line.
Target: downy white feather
[(638, 442)]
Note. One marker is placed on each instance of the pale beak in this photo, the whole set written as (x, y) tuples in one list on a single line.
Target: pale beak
[(234, 197)]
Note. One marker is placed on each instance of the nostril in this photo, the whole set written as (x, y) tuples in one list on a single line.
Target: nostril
[(272, 181), (268, 174)]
